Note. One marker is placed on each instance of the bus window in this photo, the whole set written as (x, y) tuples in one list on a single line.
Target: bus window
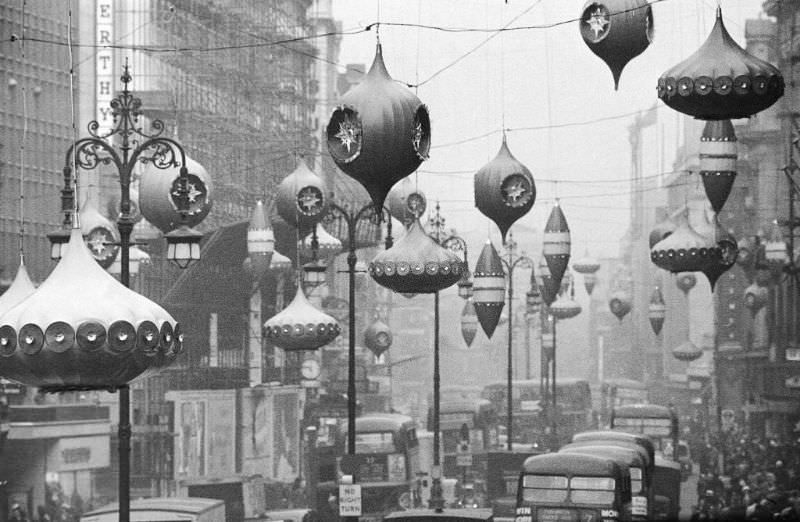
[(544, 488)]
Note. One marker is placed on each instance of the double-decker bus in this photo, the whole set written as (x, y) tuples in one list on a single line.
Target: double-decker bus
[(465, 417), (660, 423), (529, 410), (385, 464)]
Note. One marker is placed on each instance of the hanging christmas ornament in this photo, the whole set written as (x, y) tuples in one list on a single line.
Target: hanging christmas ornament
[(300, 198), (617, 31), (685, 250), (586, 265), (300, 326), (469, 322), (718, 161), (408, 295), (661, 231), (548, 287), (20, 288), (685, 282), (504, 189), (100, 235), (279, 263), (557, 244), (755, 297), (416, 264), (406, 203), (776, 251), (378, 337), (260, 242), (319, 244), (729, 251), (687, 352), (589, 281), (159, 190), (489, 288), (107, 336), (720, 81), (656, 310), (380, 132), (620, 303), (565, 307)]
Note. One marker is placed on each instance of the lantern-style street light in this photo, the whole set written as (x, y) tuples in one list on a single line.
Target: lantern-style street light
[(188, 196)]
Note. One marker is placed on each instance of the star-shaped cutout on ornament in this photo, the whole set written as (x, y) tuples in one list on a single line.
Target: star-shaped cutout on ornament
[(516, 191), (97, 243), (416, 141), (192, 193), (348, 134), (309, 200), (598, 22)]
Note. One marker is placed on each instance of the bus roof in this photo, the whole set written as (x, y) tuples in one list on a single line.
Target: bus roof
[(574, 464), (627, 455), (649, 411), (177, 504), (614, 435)]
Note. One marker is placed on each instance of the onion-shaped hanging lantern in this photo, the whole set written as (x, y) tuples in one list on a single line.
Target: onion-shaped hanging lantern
[(721, 81), (469, 322), (565, 307), (20, 288), (657, 310), (406, 203), (300, 326), (661, 231), (718, 161), (380, 132), (107, 336), (685, 250), (755, 297), (378, 337), (301, 200), (416, 264), (159, 188), (557, 244), (504, 189), (489, 288), (100, 235), (687, 352), (729, 251), (620, 304), (547, 285), (589, 281), (617, 31), (326, 248), (586, 264), (685, 282)]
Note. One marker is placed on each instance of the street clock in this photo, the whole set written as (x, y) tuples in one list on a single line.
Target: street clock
[(310, 369)]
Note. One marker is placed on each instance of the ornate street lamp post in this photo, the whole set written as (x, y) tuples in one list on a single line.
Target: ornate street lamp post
[(185, 193)]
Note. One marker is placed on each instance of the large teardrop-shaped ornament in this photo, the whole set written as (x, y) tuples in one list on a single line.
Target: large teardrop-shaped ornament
[(469, 322), (489, 288), (378, 337), (380, 132), (406, 202), (504, 189), (557, 244), (160, 193), (301, 200), (718, 161), (657, 310), (685, 250), (617, 31), (548, 288)]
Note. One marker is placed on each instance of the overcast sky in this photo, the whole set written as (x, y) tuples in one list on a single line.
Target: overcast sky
[(531, 78)]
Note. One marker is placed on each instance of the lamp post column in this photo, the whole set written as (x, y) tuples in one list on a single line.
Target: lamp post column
[(554, 413), (509, 354), (437, 501)]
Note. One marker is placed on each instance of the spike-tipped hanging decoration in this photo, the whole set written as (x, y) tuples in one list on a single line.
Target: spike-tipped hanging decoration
[(20, 288), (406, 203), (160, 190), (301, 199), (617, 31), (685, 282), (300, 326), (260, 242), (729, 251), (687, 352), (378, 337), (548, 287), (620, 303), (107, 336), (100, 235), (720, 81), (718, 161), (469, 322), (557, 244), (589, 281), (504, 189), (657, 310), (685, 250), (489, 288), (380, 132), (416, 264)]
